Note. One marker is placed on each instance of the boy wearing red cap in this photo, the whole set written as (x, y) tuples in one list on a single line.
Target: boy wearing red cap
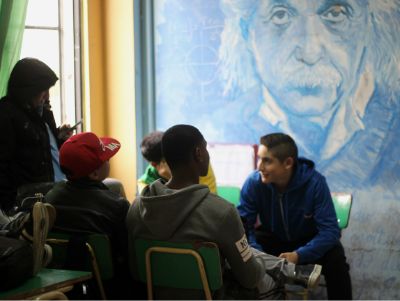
[(84, 203)]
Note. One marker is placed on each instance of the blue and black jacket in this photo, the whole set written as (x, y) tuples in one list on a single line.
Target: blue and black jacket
[(305, 210)]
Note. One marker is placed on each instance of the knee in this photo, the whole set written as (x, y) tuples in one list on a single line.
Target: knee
[(334, 261)]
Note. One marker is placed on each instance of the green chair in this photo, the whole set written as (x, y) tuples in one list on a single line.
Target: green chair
[(100, 260), (342, 203), (229, 193), (178, 265)]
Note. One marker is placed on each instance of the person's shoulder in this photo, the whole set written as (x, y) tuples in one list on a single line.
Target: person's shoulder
[(54, 193), (315, 181), (60, 185), (114, 196), (253, 179), (216, 204), (308, 169), (317, 176), (141, 185), (254, 175), (10, 111), (133, 214), (108, 199), (216, 199), (123, 204)]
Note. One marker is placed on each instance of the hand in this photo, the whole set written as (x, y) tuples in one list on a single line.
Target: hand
[(292, 257), (65, 132)]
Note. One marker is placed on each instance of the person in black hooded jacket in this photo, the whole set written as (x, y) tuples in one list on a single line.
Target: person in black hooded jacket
[(30, 142)]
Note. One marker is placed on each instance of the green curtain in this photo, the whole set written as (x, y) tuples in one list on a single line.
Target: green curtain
[(12, 24)]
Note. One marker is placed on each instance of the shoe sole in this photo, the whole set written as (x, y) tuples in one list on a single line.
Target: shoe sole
[(40, 230), (51, 211), (313, 280)]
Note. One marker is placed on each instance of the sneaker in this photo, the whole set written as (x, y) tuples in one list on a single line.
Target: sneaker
[(41, 213), (307, 275), (18, 222), (27, 231)]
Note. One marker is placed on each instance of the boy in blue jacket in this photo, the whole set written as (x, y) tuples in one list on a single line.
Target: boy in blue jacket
[(297, 220)]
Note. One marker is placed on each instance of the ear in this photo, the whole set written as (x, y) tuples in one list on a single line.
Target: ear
[(154, 164), (289, 163), (94, 175), (197, 154)]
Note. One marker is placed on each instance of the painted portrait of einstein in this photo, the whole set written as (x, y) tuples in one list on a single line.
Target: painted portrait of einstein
[(327, 71)]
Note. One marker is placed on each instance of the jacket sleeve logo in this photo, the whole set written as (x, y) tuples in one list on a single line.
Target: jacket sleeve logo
[(244, 249)]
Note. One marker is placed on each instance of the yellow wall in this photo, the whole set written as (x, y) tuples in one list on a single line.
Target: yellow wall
[(108, 48)]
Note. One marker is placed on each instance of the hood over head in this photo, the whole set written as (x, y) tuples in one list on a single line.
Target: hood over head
[(28, 78), (164, 210)]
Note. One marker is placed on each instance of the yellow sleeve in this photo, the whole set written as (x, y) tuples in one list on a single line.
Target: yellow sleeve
[(209, 180), (141, 185)]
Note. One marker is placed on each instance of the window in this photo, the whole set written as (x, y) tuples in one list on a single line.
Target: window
[(52, 35)]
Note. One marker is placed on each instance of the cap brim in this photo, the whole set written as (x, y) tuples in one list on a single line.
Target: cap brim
[(111, 147)]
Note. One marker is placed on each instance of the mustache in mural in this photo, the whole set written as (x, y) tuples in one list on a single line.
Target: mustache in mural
[(315, 77)]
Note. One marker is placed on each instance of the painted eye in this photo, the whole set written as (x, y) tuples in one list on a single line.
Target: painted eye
[(336, 14), (280, 16)]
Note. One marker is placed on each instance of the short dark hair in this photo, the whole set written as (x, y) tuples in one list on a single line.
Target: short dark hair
[(281, 145), (179, 143), (151, 147)]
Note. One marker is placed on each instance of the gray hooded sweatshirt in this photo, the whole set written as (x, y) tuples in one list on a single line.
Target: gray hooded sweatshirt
[(193, 214)]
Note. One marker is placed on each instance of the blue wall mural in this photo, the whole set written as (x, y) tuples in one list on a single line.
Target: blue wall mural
[(325, 72)]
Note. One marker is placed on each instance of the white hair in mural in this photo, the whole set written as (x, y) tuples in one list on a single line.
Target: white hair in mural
[(382, 47), (384, 42), (317, 63)]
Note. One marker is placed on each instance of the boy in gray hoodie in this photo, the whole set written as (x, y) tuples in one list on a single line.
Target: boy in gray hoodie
[(183, 210)]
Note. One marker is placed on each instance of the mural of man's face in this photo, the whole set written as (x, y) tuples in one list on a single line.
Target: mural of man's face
[(308, 53)]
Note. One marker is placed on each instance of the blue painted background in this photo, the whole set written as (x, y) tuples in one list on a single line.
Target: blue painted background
[(326, 74)]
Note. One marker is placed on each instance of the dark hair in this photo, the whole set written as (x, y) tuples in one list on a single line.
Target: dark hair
[(28, 78), (151, 147), (281, 146), (179, 143)]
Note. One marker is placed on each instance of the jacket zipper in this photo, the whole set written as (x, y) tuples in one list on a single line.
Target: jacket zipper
[(285, 225)]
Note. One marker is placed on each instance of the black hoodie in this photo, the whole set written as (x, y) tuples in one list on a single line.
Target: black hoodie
[(25, 155)]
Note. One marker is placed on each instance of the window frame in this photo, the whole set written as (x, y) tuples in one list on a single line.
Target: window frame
[(144, 80), (77, 72)]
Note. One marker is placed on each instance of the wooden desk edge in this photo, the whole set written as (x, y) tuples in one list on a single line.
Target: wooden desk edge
[(52, 287)]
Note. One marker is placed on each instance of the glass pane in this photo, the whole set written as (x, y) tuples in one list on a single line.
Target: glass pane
[(42, 13), (44, 45), (67, 62)]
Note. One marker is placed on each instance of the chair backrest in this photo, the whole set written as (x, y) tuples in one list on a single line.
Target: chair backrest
[(178, 265), (97, 257), (99, 243), (229, 193), (342, 203)]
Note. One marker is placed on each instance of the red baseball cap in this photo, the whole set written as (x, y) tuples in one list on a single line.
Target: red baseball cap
[(83, 153)]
